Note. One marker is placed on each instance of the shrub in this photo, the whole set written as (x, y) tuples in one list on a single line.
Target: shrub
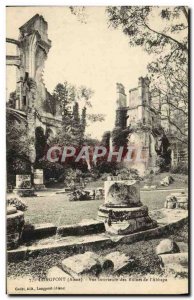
[(180, 168)]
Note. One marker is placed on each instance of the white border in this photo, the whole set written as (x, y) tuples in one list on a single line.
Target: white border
[(3, 4)]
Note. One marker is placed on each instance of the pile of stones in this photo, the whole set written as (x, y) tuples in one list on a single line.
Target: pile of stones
[(90, 264), (177, 200), (172, 259)]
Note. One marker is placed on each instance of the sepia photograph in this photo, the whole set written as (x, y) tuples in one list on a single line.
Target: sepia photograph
[(97, 150)]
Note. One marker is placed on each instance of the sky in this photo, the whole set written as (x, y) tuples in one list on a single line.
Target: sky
[(91, 54)]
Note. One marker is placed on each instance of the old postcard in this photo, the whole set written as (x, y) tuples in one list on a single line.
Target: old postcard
[(97, 150)]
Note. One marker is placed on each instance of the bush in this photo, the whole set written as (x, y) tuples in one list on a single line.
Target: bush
[(181, 168), (128, 174)]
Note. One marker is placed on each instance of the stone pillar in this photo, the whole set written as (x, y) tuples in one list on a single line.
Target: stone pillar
[(39, 180), (123, 212), (23, 186)]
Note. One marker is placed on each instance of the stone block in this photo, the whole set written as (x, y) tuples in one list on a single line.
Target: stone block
[(121, 261), (82, 265), (38, 176), (23, 181), (85, 227), (170, 204), (167, 246), (11, 210), (122, 214), (166, 181), (38, 231), (122, 193), (175, 258)]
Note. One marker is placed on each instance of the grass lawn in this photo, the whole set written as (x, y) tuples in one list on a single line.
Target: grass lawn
[(56, 208), (50, 207)]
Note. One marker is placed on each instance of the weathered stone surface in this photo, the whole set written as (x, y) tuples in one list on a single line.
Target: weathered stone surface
[(56, 272), (183, 246), (170, 204), (122, 193), (166, 181), (38, 176), (82, 264), (106, 264), (85, 227), (11, 210), (15, 224), (177, 200), (23, 181), (125, 220), (39, 180), (167, 246), (38, 231), (131, 226), (175, 258), (122, 214), (121, 261)]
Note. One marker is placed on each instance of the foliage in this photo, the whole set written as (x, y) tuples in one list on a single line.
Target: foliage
[(180, 168), (51, 170), (12, 100), (128, 174), (120, 136), (17, 144), (69, 98), (104, 166), (106, 139), (80, 13), (168, 44)]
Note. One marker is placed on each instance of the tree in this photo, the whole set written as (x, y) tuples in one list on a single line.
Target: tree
[(69, 98), (64, 96), (12, 100), (163, 33), (17, 146)]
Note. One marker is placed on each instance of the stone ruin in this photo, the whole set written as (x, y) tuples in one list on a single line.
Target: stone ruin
[(15, 225), (177, 201), (23, 186), (123, 212), (136, 112), (33, 104)]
